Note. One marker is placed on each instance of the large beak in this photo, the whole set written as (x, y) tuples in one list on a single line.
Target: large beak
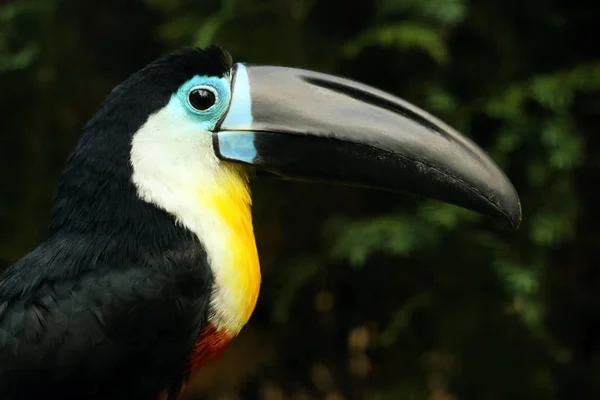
[(311, 126)]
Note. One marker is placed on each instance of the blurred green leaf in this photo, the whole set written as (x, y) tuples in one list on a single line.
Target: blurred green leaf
[(404, 36), (400, 320), (298, 272), (441, 100), (444, 11)]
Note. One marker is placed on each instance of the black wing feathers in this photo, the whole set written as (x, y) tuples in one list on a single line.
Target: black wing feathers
[(116, 332)]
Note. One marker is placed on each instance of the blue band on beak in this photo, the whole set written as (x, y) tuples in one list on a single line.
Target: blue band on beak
[(237, 146), (239, 115)]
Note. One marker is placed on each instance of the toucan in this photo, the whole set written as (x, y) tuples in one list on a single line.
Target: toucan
[(150, 266)]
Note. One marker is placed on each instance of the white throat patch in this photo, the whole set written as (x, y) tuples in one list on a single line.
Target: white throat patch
[(175, 168)]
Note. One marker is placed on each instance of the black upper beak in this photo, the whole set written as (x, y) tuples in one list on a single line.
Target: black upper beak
[(307, 125)]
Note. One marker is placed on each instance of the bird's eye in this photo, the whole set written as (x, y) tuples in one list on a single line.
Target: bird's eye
[(201, 99)]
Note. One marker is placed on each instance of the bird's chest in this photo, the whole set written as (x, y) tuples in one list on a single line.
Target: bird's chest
[(211, 198), (228, 237)]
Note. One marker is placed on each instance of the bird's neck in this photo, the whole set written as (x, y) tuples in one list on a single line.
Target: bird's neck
[(211, 198), (222, 220), (164, 196)]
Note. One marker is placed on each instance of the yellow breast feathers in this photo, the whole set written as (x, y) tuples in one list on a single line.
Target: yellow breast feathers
[(231, 247)]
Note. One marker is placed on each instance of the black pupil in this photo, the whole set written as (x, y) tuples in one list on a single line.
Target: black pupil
[(201, 99)]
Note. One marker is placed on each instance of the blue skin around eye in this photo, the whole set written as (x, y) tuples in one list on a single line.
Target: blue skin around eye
[(207, 119), (233, 145)]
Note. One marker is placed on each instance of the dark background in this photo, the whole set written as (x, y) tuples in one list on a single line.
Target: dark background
[(365, 295)]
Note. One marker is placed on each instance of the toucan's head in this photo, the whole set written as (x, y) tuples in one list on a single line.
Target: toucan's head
[(182, 133), (295, 124)]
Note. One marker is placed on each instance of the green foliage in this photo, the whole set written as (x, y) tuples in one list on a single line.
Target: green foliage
[(186, 27), (404, 36), (395, 234), (298, 273), (400, 320), (17, 52), (441, 11)]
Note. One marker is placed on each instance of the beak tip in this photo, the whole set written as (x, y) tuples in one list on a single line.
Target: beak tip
[(512, 213), (517, 216)]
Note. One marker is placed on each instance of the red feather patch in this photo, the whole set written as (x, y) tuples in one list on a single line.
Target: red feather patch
[(211, 343)]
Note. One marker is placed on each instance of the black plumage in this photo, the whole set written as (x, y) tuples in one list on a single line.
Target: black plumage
[(109, 306)]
